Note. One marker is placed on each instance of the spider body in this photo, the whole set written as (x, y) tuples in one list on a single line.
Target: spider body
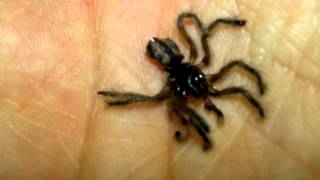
[(187, 79), (184, 78)]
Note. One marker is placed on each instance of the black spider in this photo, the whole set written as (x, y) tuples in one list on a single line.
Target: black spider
[(186, 80)]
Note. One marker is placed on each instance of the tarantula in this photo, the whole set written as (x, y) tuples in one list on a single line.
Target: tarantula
[(185, 80)]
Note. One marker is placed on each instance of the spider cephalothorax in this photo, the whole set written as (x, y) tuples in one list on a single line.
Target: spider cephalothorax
[(187, 80)]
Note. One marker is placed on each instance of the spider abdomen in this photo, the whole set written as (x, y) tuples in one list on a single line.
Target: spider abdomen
[(186, 79)]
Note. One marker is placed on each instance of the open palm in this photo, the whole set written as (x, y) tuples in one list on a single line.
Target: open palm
[(56, 55)]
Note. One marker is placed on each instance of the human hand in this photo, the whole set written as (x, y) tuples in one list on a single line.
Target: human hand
[(56, 55)]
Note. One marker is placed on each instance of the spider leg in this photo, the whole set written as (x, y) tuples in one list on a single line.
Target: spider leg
[(244, 66), (207, 144), (181, 27), (194, 119), (192, 116), (207, 55), (180, 136), (129, 98), (212, 107), (243, 92)]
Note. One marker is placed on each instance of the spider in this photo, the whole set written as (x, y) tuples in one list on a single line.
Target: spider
[(187, 81)]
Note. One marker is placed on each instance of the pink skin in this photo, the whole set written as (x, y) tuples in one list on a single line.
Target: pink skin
[(55, 56)]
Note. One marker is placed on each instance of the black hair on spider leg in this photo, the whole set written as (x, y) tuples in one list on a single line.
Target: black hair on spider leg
[(186, 80)]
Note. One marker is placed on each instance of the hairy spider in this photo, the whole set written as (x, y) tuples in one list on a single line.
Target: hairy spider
[(186, 80)]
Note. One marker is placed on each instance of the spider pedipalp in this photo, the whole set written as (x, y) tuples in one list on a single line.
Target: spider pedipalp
[(187, 80)]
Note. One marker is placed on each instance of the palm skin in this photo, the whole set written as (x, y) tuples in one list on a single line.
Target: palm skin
[(55, 56)]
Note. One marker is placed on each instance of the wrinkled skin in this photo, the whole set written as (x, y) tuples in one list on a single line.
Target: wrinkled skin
[(55, 56)]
